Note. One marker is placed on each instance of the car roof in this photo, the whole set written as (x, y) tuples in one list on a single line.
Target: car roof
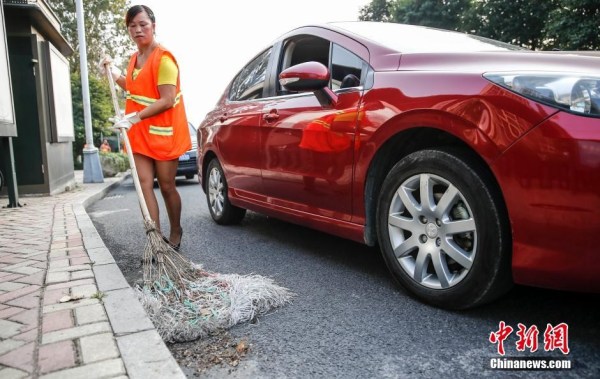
[(404, 38), (393, 46)]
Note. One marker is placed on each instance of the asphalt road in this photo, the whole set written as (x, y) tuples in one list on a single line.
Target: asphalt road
[(348, 318)]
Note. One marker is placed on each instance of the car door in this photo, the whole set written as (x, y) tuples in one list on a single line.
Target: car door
[(307, 149), (238, 118)]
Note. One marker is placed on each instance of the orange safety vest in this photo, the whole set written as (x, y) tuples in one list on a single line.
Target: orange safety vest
[(164, 136)]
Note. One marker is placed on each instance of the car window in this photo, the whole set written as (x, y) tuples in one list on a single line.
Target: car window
[(249, 83), (302, 49), (346, 68)]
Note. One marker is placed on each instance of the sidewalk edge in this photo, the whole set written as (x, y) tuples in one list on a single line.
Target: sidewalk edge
[(162, 363)]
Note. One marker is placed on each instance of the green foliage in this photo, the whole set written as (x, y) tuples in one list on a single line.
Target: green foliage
[(378, 10), (574, 25), (113, 163), (101, 110), (444, 14), (105, 34), (105, 31), (520, 22), (538, 25)]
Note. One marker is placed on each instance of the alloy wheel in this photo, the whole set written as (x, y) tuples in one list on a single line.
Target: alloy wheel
[(432, 231)]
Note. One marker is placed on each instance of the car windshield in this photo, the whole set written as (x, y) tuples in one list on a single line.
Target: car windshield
[(419, 39)]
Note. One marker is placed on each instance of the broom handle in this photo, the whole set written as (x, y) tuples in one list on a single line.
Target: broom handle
[(136, 179)]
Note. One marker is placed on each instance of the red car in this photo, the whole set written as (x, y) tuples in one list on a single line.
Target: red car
[(473, 164)]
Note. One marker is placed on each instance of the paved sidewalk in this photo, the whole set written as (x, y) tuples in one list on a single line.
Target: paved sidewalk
[(66, 311)]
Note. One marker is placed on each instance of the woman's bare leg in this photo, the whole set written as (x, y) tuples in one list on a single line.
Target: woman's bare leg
[(165, 173), (145, 170)]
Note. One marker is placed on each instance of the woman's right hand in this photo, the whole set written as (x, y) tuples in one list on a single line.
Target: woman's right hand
[(106, 62)]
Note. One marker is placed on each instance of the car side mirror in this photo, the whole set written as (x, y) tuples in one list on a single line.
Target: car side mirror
[(309, 77)]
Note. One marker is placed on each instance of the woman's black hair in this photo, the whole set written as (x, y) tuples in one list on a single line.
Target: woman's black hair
[(137, 9)]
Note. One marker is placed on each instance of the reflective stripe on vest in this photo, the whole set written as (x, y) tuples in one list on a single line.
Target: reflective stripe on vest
[(146, 101), (161, 130)]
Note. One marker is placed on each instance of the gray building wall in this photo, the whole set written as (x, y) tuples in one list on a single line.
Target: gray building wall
[(51, 170)]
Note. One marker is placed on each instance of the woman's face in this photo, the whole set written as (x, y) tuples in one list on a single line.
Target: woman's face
[(141, 29)]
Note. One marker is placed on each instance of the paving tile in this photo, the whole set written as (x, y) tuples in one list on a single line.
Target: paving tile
[(98, 348), (146, 356), (53, 296), (29, 301), (76, 253), (12, 373), (88, 290), (11, 259), (75, 243), (24, 270), (69, 268), (38, 256), (7, 276), (29, 336), (76, 332), (40, 265), (27, 317), (18, 293), (37, 278), (10, 311), (55, 263), (104, 369), (109, 277), (9, 328), (57, 356), (9, 345), (83, 274), (101, 256), (20, 358), (89, 314), (11, 286), (58, 245), (56, 254), (70, 284), (57, 277), (69, 305), (130, 319), (80, 260), (22, 263), (57, 321)]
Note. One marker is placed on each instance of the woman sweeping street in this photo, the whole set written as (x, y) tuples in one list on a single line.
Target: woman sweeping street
[(154, 117)]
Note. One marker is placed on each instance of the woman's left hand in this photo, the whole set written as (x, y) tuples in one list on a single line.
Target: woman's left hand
[(127, 121)]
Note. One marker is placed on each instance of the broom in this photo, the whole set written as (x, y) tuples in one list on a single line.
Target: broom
[(184, 301), (171, 266)]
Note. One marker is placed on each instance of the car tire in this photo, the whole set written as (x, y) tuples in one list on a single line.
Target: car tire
[(450, 248), (217, 198)]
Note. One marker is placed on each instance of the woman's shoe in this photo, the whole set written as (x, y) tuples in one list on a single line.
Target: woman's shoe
[(174, 247)]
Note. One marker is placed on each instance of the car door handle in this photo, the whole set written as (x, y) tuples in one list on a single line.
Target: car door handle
[(271, 116), (223, 118)]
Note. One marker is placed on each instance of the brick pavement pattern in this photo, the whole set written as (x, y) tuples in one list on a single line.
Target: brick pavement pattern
[(53, 318)]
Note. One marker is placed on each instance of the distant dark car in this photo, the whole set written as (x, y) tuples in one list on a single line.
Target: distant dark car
[(187, 161), (473, 164)]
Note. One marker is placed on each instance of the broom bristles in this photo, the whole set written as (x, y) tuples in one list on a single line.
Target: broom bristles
[(170, 267), (186, 302)]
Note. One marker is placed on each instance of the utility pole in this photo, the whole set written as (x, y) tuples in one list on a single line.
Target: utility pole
[(92, 170)]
